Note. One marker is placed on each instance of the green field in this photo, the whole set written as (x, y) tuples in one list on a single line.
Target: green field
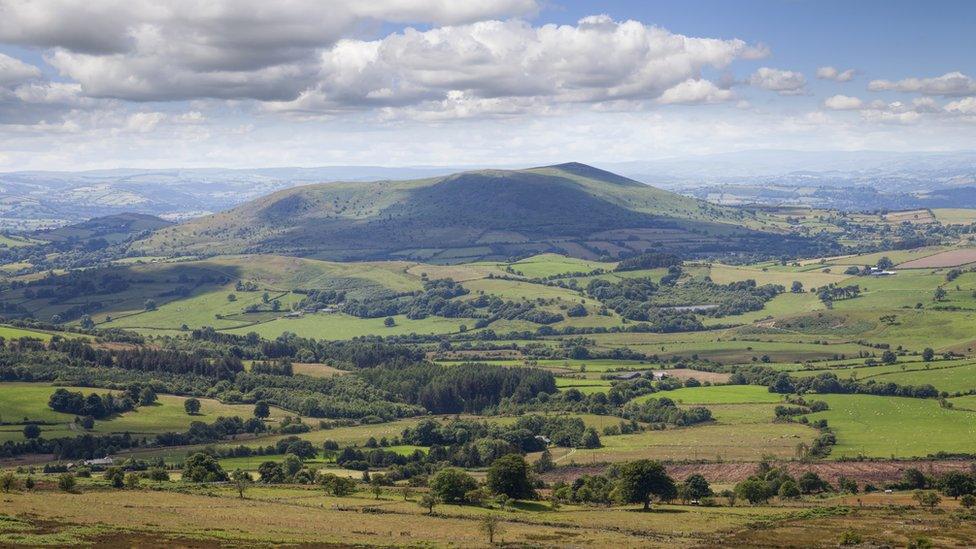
[(876, 426), (11, 332), (543, 265), (343, 326), (28, 401), (719, 394)]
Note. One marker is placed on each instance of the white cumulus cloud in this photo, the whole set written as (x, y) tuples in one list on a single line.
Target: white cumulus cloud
[(781, 81), (843, 103), (950, 84), (837, 75), (597, 60)]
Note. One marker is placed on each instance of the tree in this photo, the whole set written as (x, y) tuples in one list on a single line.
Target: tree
[(847, 485), (376, 488), (955, 484), (940, 294), (291, 465), (789, 490), (147, 396), (754, 491), (336, 485), (67, 482), (29, 484), (697, 486), (884, 263), (451, 484), (150, 305), (389, 322), (509, 475), (116, 477), (590, 438), (32, 431), (544, 463), (797, 287), (132, 481), (913, 479), (928, 354), (242, 480), (491, 526), (428, 501), (261, 409), (8, 482), (783, 384), (192, 406), (202, 467), (271, 472), (641, 480), (811, 483), (926, 499), (968, 500), (889, 357)]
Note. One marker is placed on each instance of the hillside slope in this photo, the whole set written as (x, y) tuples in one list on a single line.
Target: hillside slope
[(572, 208)]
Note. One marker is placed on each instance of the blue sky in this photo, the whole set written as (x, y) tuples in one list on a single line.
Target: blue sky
[(107, 83)]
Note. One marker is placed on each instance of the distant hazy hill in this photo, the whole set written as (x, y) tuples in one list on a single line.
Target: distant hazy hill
[(574, 208), (34, 200), (111, 228)]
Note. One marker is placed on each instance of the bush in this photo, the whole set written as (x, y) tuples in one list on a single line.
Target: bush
[(67, 482)]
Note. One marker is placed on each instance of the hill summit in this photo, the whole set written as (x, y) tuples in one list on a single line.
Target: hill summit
[(571, 208)]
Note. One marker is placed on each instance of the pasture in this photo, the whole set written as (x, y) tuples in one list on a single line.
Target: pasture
[(22, 402), (896, 427), (719, 394)]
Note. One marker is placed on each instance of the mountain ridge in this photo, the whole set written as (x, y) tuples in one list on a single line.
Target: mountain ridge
[(570, 207)]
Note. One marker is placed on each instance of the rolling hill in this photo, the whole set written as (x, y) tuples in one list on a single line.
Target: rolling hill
[(570, 208)]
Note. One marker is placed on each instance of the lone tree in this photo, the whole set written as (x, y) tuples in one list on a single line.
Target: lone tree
[(67, 482), (32, 431), (192, 406), (241, 480), (928, 354), (509, 475), (428, 501), (261, 409), (389, 322), (643, 479), (491, 526)]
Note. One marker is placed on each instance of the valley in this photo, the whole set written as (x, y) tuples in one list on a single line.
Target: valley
[(579, 344)]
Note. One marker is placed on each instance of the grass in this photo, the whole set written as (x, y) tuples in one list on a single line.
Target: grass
[(10, 332), (716, 441), (20, 400), (723, 274), (875, 426), (585, 386), (952, 378), (343, 326), (955, 216), (543, 265), (173, 513), (719, 394)]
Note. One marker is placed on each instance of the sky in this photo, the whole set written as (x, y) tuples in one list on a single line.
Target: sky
[(92, 84)]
